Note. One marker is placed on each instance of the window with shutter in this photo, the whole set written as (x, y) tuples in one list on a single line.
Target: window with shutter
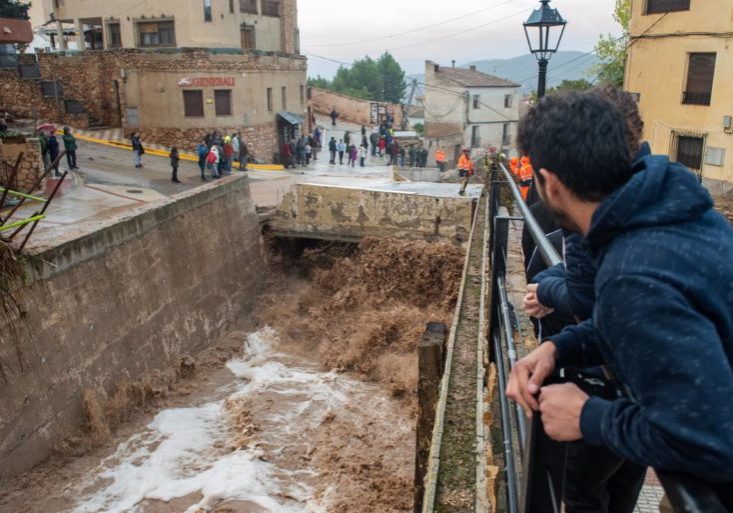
[(193, 104), (655, 6), (700, 74), (223, 100)]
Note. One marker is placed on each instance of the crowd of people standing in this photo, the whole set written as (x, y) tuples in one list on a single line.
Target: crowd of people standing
[(301, 150)]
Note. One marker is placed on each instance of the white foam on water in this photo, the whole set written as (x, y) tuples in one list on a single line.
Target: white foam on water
[(179, 452)]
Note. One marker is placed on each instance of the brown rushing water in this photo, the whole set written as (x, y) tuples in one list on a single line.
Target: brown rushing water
[(315, 413)]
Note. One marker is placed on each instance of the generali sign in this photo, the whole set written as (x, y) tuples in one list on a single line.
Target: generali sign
[(206, 82)]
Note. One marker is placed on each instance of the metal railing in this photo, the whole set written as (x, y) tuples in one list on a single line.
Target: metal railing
[(520, 437)]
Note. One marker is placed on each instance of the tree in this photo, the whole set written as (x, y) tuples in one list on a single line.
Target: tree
[(380, 80), (564, 87), (571, 85), (393, 77), (319, 81), (14, 9), (613, 51)]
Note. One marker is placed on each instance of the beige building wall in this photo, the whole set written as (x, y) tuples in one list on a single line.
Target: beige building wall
[(657, 69), (451, 118), (191, 29), (159, 98)]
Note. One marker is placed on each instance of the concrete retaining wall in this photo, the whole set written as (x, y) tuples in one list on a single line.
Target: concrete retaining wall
[(341, 213), (122, 303)]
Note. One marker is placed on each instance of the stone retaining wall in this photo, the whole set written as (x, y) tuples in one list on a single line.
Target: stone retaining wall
[(261, 140), (121, 304), (31, 167)]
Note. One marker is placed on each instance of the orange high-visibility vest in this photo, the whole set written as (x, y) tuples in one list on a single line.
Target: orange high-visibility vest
[(440, 156), (525, 179), (465, 163)]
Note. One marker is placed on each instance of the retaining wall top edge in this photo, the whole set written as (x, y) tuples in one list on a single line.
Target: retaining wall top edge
[(131, 225)]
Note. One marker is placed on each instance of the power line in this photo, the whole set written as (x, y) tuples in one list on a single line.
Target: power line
[(418, 29), (628, 46), (586, 54), (493, 22), (471, 29)]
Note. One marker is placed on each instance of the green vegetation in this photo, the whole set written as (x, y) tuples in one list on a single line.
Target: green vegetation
[(613, 51), (14, 9), (419, 128), (380, 80), (571, 85), (566, 86)]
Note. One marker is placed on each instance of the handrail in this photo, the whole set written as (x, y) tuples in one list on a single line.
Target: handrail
[(546, 248), (686, 493)]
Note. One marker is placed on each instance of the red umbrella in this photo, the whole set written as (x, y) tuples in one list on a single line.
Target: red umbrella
[(46, 127)]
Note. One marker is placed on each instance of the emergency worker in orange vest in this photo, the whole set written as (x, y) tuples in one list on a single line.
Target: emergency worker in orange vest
[(521, 168), (465, 169), (440, 159)]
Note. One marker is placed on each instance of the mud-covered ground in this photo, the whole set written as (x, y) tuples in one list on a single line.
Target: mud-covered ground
[(309, 407)]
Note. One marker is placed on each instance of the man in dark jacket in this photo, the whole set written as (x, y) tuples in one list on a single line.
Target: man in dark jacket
[(70, 148), (663, 318)]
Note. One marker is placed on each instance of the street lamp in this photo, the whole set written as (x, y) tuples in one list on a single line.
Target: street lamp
[(544, 19)]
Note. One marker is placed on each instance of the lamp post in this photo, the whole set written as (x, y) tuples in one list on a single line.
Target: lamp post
[(548, 23)]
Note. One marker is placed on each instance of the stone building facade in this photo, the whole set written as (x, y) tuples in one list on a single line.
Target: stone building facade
[(174, 94), (679, 66)]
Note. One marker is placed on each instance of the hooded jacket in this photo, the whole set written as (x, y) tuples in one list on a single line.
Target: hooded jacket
[(569, 287), (663, 323)]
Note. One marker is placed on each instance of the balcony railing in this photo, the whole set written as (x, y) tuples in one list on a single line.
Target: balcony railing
[(521, 447), (691, 98)]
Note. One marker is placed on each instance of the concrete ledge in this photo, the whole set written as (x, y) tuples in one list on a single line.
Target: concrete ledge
[(349, 213), (132, 225)]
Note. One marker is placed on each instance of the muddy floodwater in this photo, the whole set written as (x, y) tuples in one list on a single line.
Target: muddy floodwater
[(312, 411), (272, 440)]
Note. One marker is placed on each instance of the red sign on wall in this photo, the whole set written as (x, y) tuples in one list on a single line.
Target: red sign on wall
[(206, 82)]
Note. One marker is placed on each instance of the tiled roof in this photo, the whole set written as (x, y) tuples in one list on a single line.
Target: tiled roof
[(471, 78)]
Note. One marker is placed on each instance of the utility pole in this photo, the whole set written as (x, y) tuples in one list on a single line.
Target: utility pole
[(406, 113)]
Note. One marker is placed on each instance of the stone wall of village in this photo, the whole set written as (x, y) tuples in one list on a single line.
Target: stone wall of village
[(22, 98), (97, 80), (88, 78), (261, 140), (31, 166), (353, 110)]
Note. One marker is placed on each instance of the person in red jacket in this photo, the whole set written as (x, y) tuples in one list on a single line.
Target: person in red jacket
[(286, 154), (228, 151), (382, 144)]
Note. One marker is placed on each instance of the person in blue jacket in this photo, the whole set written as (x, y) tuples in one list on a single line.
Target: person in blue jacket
[(595, 478), (663, 317)]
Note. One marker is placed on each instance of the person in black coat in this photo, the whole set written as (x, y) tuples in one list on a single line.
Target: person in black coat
[(53, 152)]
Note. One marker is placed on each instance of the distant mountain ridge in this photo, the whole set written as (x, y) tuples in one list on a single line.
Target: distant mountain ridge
[(567, 65)]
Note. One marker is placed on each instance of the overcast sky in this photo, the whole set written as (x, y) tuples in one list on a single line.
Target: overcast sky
[(327, 27)]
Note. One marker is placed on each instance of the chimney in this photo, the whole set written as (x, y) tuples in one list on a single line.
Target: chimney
[(453, 64), (437, 68), (473, 68)]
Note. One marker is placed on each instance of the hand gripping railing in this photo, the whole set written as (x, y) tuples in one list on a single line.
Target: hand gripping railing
[(686, 494)]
